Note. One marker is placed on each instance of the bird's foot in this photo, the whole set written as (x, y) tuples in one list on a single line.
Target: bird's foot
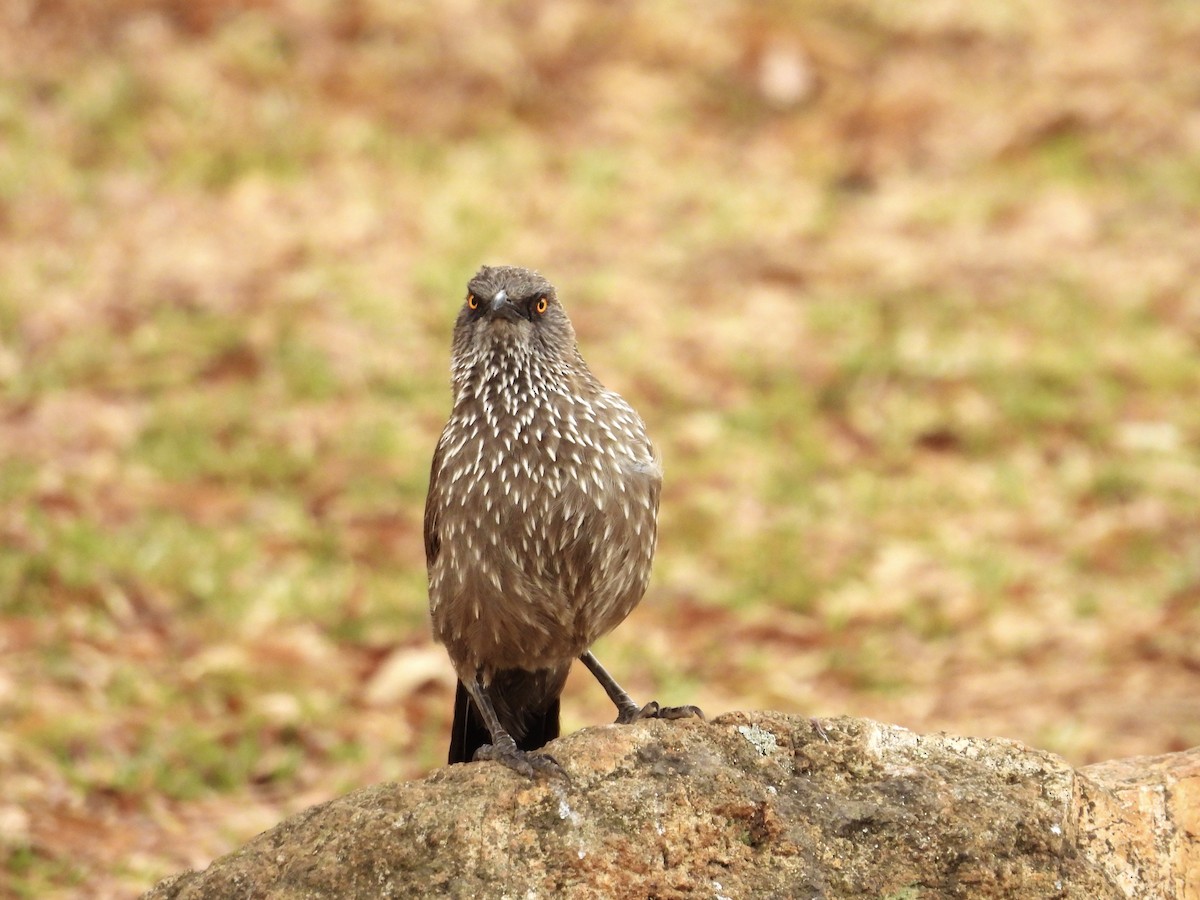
[(531, 765), (632, 713)]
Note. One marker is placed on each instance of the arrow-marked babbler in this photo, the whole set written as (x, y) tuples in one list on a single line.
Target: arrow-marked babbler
[(540, 523)]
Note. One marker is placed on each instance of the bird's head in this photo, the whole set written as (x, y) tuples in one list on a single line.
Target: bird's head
[(512, 309)]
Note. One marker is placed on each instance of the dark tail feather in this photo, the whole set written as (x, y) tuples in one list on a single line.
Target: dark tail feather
[(468, 733), (543, 728)]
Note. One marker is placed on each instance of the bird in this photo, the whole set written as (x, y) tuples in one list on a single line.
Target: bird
[(540, 522)]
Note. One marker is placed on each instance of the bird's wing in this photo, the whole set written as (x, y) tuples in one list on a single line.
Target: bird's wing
[(433, 540)]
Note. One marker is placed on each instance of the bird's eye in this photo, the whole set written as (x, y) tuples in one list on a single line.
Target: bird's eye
[(541, 305), (472, 302)]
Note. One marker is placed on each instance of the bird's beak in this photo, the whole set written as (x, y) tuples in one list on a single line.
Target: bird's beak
[(502, 308)]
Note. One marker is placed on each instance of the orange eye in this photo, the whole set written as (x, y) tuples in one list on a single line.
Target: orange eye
[(472, 303), (541, 305)]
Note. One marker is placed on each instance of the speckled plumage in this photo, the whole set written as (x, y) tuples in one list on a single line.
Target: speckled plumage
[(540, 523)]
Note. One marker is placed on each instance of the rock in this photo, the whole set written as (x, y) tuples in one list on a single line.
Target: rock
[(749, 805), (1140, 819)]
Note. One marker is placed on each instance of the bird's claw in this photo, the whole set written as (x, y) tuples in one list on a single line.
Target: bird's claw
[(523, 762), (682, 712), (652, 710)]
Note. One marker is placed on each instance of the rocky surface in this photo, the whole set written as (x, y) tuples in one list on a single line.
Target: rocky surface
[(749, 805)]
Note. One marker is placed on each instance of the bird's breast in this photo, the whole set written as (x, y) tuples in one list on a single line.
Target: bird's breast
[(548, 517)]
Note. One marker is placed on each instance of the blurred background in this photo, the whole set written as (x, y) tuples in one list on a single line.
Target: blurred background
[(907, 293)]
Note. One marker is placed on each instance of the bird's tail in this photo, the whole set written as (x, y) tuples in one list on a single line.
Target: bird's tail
[(532, 725)]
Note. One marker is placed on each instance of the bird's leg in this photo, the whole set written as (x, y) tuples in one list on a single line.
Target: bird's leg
[(503, 749), (627, 709)]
